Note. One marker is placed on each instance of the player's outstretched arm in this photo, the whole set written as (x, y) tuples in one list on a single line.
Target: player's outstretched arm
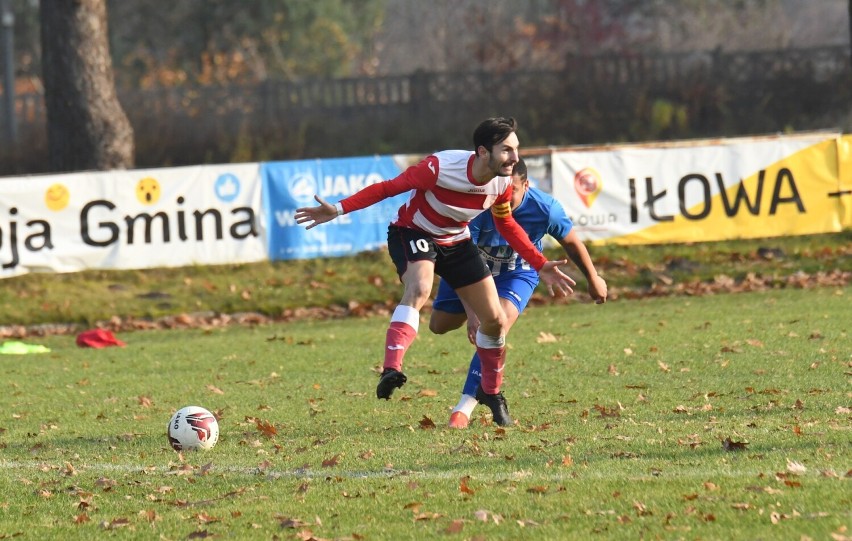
[(558, 283), (314, 216), (579, 254)]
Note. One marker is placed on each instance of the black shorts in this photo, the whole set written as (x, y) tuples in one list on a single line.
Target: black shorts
[(460, 264)]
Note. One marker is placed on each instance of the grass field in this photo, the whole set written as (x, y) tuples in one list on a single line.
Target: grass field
[(713, 417), (368, 283)]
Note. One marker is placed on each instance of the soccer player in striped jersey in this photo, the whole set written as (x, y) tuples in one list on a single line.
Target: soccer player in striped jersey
[(539, 214), (430, 236)]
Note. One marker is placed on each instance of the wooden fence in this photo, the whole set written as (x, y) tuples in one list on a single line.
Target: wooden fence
[(616, 97)]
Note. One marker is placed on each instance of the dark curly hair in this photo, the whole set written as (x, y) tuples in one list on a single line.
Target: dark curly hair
[(492, 131)]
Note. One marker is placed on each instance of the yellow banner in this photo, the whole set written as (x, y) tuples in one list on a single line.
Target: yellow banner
[(708, 190), (844, 188)]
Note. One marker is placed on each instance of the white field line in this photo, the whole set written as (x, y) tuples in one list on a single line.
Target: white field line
[(571, 474)]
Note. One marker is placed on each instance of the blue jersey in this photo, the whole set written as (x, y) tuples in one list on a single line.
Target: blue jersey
[(539, 214)]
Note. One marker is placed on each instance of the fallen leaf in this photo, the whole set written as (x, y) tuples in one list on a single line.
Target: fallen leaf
[(427, 516), (115, 524), (330, 462), (608, 412), (455, 526), (463, 486), (795, 468), (266, 428), (287, 522), (641, 509), (545, 338), (204, 518), (426, 423), (729, 445), (105, 483)]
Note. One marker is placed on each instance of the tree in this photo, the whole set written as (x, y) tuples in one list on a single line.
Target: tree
[(87, 127), (215, 42)]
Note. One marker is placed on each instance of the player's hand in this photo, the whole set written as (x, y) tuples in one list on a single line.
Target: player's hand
[(597, 289), (314, 216), (558, 283)]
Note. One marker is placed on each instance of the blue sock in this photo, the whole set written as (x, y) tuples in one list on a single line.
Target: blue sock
[(474, 376)]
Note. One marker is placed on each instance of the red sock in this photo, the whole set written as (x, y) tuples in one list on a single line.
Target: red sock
[(492, 360), (399, 336)]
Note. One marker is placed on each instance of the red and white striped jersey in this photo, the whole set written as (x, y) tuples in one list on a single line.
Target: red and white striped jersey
[(445, 198)]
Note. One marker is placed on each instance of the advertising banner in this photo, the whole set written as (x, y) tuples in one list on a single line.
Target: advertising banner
[(292, 184), (844, 190), (702, 191), (144, 218)]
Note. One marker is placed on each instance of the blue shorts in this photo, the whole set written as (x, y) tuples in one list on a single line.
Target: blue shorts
[(516, 287)]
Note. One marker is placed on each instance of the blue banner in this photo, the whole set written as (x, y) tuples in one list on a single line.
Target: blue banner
[(292, 184)]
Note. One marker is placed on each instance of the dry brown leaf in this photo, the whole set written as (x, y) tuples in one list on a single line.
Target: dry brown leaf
[(215, 390), (149, 514), (729, 445), (331, 462), (105, 483), (266, 428), (463, 487), (115, 524), (426, 423), (294, 523), (545, 338), (204, 518), (641, 509), (427, 516), (608, 412), (455, 526)]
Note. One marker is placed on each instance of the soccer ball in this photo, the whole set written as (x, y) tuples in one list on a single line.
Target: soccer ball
[(193, 428)]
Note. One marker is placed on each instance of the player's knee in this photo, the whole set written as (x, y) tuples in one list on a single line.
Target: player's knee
[(417, 293), (494, 325), (441, 322), (437, 328)]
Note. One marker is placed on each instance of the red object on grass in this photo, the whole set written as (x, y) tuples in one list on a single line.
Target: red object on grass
[(98, 338)]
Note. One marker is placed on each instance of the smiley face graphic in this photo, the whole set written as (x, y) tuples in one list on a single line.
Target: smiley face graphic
[(148, 191), (56, 197)]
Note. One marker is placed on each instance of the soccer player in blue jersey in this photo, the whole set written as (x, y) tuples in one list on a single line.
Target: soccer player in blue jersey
[(539, 214)]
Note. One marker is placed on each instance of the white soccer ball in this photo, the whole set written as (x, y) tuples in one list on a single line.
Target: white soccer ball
[(193, 428)]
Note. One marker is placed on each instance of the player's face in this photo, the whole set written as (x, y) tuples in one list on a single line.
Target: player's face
[(504, 156), (519, 189)]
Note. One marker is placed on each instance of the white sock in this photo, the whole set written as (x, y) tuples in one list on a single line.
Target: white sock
[(466, 405), (407, 314)]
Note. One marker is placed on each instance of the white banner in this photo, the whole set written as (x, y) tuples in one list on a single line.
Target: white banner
[(703, 190), (142, 218)]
